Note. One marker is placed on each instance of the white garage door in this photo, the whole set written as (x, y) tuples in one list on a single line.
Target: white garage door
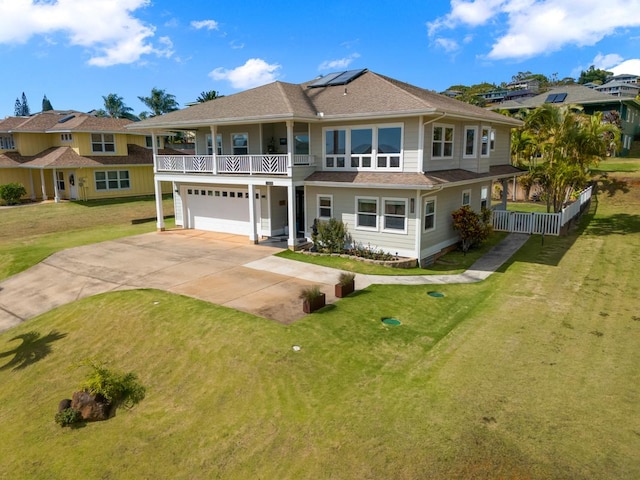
[(219, 209)]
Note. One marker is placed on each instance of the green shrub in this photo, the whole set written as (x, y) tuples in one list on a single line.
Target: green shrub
[(117, 388), (474, 228), (68, 417), (330, 236), (11, 193)]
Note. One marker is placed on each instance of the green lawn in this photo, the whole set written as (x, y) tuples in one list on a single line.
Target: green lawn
[(532, 374), (30, 233)]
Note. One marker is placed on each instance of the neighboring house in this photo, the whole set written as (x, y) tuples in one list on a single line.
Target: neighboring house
[(389, 159), (591, 101), (73, 155), (619, 89)]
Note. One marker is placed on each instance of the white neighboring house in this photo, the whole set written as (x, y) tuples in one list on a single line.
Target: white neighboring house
[(390, 159)]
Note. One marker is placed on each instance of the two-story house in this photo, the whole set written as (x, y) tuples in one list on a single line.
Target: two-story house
[(390, 159), (74, 155)]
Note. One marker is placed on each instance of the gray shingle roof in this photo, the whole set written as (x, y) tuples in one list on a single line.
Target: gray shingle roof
[(576, 94), (368, 96)]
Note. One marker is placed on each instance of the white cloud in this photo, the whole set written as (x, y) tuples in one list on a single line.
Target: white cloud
[(208, 24), (605, 62), (107, 28), (526, 28), (631, 66), (447, 44), (253, 73), (338, 64)]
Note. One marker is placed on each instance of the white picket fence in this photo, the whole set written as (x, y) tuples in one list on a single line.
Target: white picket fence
[(540, 223)]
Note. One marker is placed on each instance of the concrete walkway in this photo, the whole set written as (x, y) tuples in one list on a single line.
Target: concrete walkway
[(218, 268), (479, 271)]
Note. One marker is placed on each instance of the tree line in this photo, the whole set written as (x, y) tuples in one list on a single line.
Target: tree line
[(158, 102)]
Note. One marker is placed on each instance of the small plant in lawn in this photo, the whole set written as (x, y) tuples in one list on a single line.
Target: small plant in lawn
[(117, 388), (11, 193), (68, 417), (473, 227)]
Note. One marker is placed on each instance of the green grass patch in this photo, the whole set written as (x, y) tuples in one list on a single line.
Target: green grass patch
[(451, 263)]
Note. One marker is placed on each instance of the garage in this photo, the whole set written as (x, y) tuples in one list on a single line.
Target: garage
[(219, 209)]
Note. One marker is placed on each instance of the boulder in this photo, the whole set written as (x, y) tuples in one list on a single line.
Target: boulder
[(91, 407), (64, 404)]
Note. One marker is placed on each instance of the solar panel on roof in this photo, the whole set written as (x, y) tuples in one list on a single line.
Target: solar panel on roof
[(550, 98), (339, 78), (66, 118), (560, 97)]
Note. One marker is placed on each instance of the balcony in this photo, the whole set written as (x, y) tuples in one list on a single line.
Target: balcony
[(262, 164)]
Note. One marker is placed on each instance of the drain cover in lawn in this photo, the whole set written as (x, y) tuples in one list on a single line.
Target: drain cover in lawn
[(435, 294), (391, 321)]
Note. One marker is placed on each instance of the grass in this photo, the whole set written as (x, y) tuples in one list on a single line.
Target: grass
[(31, 233), (451, 263), (532, 374)]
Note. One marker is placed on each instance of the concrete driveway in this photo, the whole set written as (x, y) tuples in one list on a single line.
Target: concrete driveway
[(204, 265)]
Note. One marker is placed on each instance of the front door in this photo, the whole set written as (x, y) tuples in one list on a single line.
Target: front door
[(73, 186)]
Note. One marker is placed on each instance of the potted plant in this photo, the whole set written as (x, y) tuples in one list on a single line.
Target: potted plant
[(346, 284), (312, 299)]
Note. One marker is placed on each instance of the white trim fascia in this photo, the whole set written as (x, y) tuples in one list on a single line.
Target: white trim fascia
[(371, 185)]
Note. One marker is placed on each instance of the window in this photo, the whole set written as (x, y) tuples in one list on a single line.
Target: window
[(429, 214), (103, 142), (484, 142), (325, 206), (240, 143), (149, 142), (335, 147), (470, 141), (66, 137), (442, 146), (395, 215), (6, 142), (367, 213), (301, 144), (492, 141), (363, 148), (389, 147), (466, 197), (484, 197), (218, 145), (113, 180), (60, 180)]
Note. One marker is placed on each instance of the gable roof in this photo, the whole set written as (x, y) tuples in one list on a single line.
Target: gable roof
[(575, 94), (53, 121), (370, 95)]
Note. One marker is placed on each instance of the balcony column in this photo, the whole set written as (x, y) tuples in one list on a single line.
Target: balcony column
[(42, 186), (290, 147), (56, 192), (214, 148), (154, 149), (253, 234), (159, 209), (33, 188), (505, 192), (291, 213)]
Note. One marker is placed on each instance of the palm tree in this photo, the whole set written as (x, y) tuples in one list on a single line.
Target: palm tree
[(159, 102), (115, 107), (208, 95)]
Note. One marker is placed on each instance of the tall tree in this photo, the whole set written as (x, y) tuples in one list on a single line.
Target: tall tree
[(594, 75), (160, 102), (22, 107), (115, 107), (208, 95), (46, 104)]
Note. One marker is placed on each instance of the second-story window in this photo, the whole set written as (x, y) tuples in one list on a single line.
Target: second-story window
[(442, 146), (103, 142), (363, 148), (470, 141), (66, 137), (240, 143), (485, 139), (6, 142)]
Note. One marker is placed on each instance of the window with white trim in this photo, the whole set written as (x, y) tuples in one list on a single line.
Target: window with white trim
[(395, 215), (103, 142), (367, 213), (470, 134), (218, 145), (6, 142), (60, 180), (325, 206), (301, 144), (363, 147), (66, 137), (149, 141), (442, 142), (112, 180), (484, 141), (484, 197), (466, 197), (429, 214), (492, 140), (240, 143)]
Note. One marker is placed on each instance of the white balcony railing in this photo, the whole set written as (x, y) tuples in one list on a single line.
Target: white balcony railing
[(263, 164)]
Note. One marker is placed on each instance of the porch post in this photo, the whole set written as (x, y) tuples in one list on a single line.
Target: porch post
[(505, 192), (253, 234), (154, 150), (214, 148), (33, 191), (44, 189), (291, 211), (159, 209), (420, 165), (290, 149), (514, 188), (56, 193)]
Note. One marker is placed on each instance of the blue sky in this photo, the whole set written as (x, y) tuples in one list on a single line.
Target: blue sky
[(77, 51)]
